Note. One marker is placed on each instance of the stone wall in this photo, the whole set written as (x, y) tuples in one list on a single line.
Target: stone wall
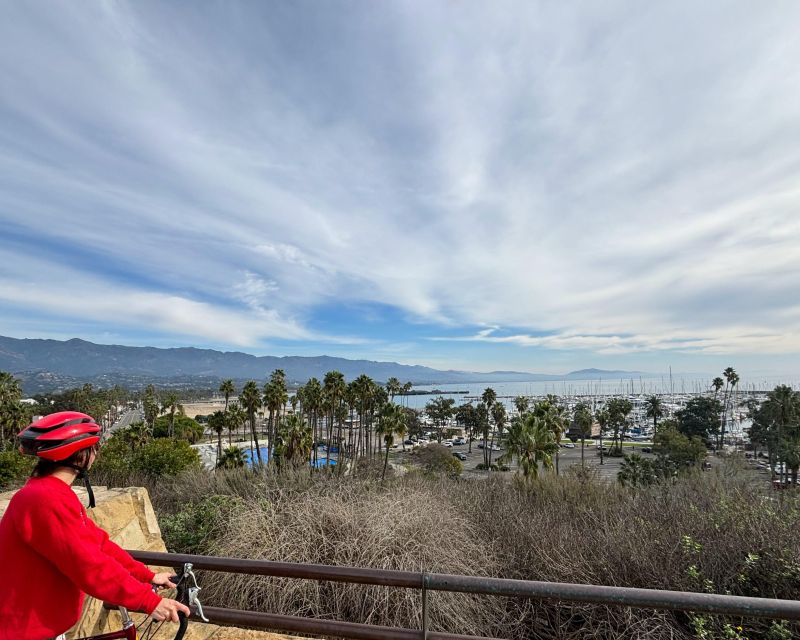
[(128, 517)]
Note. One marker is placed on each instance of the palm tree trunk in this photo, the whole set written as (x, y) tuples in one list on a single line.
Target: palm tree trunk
[(255, 439), (270, 438), (583, 465), (385, 463), (601, 446)]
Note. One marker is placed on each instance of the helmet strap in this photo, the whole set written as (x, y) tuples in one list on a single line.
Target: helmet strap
[(83, 476)]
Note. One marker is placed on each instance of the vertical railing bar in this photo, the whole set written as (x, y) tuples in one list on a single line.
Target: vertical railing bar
[(424, 605)]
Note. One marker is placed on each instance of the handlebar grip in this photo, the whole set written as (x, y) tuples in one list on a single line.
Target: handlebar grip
[(183, 623), (176, 580)]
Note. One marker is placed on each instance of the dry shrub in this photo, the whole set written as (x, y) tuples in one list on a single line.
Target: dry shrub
[(708, 532), (405, 526)]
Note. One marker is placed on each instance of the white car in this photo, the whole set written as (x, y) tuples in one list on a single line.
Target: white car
[(447, 443), (569, 445)]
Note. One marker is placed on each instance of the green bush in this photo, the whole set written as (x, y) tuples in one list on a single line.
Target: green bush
[(115, 458), (165, 456), (122, 461), (14, 469), (191, 529), (185, 428)]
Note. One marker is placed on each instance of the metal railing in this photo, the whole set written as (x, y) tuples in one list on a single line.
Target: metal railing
[(425, 582)]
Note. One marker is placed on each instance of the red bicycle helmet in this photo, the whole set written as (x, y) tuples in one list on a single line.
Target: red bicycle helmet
[(57, 436)]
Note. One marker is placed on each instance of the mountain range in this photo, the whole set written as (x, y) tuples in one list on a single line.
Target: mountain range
[(45, 365)]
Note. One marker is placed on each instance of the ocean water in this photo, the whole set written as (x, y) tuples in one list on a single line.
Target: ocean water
[(507, 391)]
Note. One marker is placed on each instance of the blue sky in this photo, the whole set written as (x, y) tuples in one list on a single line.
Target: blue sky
[(506, 185)]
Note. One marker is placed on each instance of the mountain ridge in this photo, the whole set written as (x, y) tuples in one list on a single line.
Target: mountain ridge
[(81, 360)]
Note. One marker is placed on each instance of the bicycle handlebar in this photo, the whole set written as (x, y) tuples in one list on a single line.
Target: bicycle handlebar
[(187, 590)]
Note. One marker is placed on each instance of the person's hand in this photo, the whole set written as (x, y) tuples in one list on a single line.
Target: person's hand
[(162, 581), (168, 610)]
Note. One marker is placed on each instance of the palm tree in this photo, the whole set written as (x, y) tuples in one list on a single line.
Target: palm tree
[(172, 405), (236, 416), (731, 380), (312, 402), (293, 442), (232, 458), (603, 419), (531, 442), (482, 423), (251, 401), (655, 410), (11, 410), (150, 406), (584, 421), (227, 389), (717, 383), (333, 390), (9, 387), (378, 398), (552, 414), (216, 421), (393, 387), (390, 418), (402, 427), (489, 397), (521, 404), (465, 416), (406, 388), (499, 417), (275, 398), (618, 410), (636, 471), (136, 435)]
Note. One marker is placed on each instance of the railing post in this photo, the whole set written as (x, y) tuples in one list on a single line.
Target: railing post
[(424, 605)]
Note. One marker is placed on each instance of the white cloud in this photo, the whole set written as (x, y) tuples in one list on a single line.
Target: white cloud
[(734, 341), (616, 176)]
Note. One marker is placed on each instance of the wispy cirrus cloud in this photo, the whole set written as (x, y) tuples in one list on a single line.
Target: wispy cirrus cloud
[(613, 179)]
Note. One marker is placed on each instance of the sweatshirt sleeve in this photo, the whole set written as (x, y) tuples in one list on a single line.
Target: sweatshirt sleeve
[(58, 531), (111, 548)]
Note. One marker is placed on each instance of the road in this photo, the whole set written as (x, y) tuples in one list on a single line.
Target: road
[(126, 419)]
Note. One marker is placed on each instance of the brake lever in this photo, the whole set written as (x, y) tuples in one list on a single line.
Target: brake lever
[(194, 601)]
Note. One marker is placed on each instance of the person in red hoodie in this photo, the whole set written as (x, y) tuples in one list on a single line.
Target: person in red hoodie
[(52, 554)]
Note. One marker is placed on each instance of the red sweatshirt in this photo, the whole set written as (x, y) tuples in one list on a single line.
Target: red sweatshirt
[(50, 555)]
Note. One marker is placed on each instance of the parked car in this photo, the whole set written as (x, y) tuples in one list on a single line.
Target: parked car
[(459, 455), (647, 449), (447, 443), (459, 441), (569, 445)]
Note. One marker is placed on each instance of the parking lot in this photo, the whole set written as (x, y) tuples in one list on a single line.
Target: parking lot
[(567, 457)]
